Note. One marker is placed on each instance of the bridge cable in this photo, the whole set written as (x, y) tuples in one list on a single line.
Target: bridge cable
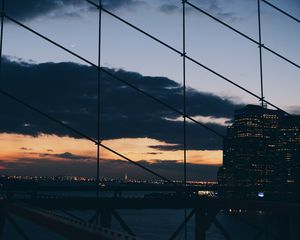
[(98, 95), (184, 108), (92, 64), (79, 133), (280, 10), (125, 82), (114, 76), (190, 58), (1, 37), (243, 34), (260, 55)]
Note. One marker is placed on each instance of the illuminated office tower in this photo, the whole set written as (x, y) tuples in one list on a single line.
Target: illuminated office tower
[(261, 148)]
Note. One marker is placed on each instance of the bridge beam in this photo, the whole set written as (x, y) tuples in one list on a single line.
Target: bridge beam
[(222, 229), (122, 223), (66, 227), (105, 218), (17, 227), (182, 225), (200, 225), (3, 215)]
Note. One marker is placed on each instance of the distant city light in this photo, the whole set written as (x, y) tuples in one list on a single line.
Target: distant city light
[(261, 194)]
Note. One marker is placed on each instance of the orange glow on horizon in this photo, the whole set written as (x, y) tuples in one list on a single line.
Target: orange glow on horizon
[(17, 146)]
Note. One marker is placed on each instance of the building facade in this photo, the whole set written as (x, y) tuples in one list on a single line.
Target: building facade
[(261, 148)]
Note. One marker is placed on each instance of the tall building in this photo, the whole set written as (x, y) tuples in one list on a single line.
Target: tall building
[(262, 148)]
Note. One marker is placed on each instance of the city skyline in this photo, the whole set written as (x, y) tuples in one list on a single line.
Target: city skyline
[(261, 148), (151, 148)]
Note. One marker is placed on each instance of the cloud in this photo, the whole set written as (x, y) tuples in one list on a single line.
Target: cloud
[(206, 120), (66, 156), (169, 8), (294, 110), (68, 92), (118, 4), (25, 149), (170, 147), (30, 9), (216, 7)]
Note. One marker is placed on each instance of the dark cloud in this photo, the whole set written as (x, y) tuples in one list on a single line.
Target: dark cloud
[(118, 4), (25, 149), (29, 9), (215, 7), (167, 147), (66, 156), (169, 8), (109, 168), (154, 153), (68, 92)]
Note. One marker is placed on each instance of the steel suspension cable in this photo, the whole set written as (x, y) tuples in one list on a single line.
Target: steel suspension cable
[(132, 86), (79, 133), (184, 91), (113, 75), (260, 56), (29, 106), (1, 37), (141, 91), (98, 94), (184, 108), (187, 57), (161, 102), (243, 34), (49, 40), (280, 10)]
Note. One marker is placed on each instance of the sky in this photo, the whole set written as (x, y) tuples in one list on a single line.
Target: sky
[(66, 87)]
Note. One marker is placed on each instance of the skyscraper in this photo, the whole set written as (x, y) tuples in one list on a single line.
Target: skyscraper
[(262, 148)]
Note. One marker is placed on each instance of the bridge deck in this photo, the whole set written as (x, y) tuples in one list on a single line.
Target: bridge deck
[(201, 203)]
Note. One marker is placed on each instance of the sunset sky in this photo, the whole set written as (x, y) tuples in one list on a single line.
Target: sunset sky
[(66, 88)]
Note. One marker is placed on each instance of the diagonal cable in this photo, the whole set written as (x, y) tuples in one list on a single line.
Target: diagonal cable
[(138, 164), (79, 133), (160, 102), (134, 27), (1, 35), (242, 34), (114, 76), (49, 40), (189, 58), (53, 119), (280, 10), (141, 91)]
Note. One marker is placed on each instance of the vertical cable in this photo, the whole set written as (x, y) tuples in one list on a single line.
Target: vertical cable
[(184, 106), (260, 56), (184, 90), (98, 95), (263, 144), (1, 37)]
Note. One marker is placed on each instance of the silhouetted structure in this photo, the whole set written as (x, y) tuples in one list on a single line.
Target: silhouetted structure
[(262, 148)]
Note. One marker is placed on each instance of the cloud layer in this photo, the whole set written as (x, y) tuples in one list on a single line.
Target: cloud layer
[(29, 9), (68, 92)]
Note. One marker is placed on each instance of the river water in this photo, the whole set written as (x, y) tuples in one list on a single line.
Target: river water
[(160, 224)]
